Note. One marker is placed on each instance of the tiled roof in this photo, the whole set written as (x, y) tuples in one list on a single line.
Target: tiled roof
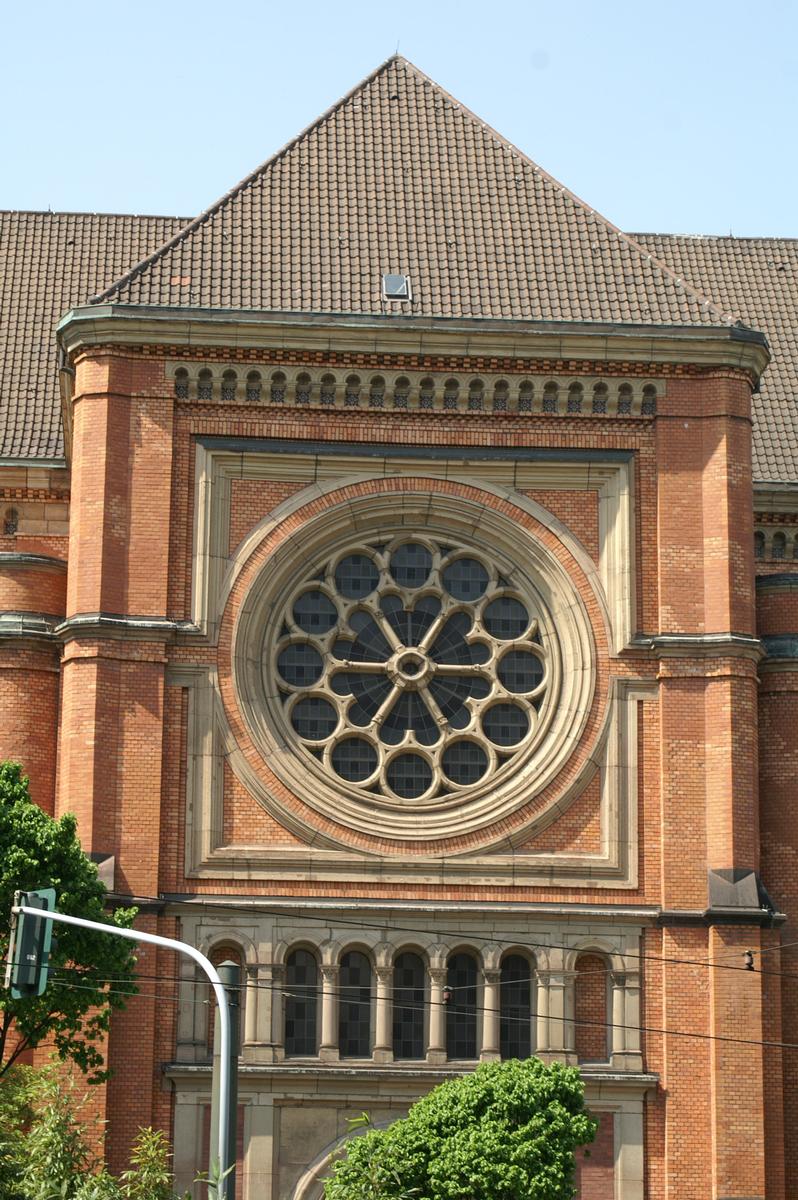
[(399, 177), (758, 279), (431, 192), (50, 262)]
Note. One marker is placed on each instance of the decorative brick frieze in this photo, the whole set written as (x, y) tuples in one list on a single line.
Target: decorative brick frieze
[(311, 386)]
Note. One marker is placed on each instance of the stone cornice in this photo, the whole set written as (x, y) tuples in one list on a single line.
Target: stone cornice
[(721, 916), (782, 646), (28, 626), (781, 581), (365, 1071), (638, 914), (124, 627), (115, 324), (775, 497), (701, 645), (41, 562)]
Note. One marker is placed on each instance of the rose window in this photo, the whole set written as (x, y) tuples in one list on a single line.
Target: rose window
[(411, 669)]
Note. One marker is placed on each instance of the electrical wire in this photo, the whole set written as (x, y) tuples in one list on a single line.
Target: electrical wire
[(581, 1021), (462, 933)]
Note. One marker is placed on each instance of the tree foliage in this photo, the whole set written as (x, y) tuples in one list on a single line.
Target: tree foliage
[(45, 1151), (506, 1132), (90, 972)]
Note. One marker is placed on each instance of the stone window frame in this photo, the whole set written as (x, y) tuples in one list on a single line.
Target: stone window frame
[(552, 1008), (216, 566)]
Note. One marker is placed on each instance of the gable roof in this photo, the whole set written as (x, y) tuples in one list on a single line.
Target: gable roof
[(757, 278), (48, 263), (399, 177)]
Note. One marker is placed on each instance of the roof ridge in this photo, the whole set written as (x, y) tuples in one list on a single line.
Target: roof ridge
[(713, 237), (81, 212), (229, 195)]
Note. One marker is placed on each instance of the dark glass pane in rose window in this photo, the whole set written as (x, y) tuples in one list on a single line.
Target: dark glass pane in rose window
[(411, 565), (315, 613)]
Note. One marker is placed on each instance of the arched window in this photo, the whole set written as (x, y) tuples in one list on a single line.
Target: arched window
[(181, 383), (624, 399), (229, 384), (526, 393), (10, 521), (550, 393), (649, 406), (301, 1003), (408, 1006), (277, 390), (253, 387), (205, 385), (779, 546), (575, 398), (590, 1008), (461, 1007), (354, 1012), (401, 392), (759, 544), (515, 1026), (600, 398)]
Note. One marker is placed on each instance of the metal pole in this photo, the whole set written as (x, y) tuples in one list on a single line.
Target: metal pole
[(230, 975), (155, 939)]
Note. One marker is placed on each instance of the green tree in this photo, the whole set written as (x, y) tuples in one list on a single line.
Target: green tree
[(506, 1132), (90, 972), (45, 1151)]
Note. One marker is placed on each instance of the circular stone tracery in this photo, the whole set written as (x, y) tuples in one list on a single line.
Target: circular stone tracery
[(412, 668)]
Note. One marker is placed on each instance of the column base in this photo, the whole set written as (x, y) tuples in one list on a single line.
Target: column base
[(262, 1052), (627, 1060), (436, 1058), (329, 1054), (567, 1057), (382, 1055), (489, 1056)]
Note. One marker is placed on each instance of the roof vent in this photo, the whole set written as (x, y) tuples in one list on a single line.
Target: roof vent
[(396, 287)]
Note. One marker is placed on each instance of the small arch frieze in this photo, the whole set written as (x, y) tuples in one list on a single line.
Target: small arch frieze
[(776, 543), (341, 388)]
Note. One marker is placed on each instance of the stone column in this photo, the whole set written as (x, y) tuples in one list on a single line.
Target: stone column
[(383, 1045), (618, 1031), (490, 1016), (436, 1046), (277, 998), (191, 1042), (561, 1016), (542, 1039), (328, 1051), (625, 1052)]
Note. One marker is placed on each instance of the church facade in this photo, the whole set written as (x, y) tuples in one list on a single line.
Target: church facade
[(399, 580)]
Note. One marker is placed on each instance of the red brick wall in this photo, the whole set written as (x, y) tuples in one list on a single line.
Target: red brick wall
[(592, 1035)]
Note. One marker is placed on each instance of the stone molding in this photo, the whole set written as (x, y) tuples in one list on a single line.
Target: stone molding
[(387, 389), (151, 325), (216, 565), (566, 634)]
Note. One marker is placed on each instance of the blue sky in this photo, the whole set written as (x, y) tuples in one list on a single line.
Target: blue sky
[(677, 117)]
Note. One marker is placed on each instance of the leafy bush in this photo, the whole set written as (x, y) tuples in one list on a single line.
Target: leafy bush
[(506, 1132)]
